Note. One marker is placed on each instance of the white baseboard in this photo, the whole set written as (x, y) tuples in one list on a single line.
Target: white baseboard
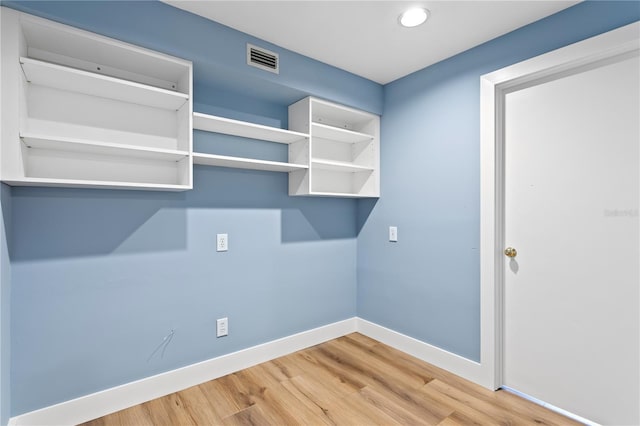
[(451, 362), (101, 403)]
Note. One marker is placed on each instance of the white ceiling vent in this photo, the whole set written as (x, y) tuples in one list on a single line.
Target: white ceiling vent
[(263, 59)]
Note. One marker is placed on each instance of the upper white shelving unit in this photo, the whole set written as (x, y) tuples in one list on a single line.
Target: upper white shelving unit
[(82, 110), (342, 151)]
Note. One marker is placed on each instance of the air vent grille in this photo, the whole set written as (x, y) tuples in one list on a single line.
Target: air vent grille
[(262, 58)]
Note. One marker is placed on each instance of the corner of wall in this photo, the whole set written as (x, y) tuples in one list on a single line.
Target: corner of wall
[(5, 304)]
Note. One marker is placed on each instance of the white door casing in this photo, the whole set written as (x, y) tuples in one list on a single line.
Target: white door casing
[(607, 48)]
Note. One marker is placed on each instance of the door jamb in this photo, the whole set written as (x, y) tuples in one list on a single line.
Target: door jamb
[(607, 47)]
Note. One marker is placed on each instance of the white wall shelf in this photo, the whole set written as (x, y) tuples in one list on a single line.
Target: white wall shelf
[(245, 163), (337, 134), (227, 126), (83, 110), (74, 80), (102, 184), (341, 166), (34, 141), (212, 123), (343, 150), (334, 194)]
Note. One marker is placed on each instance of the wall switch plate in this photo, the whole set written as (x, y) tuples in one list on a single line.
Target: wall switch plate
[(393, 234), (222, 242), (222, 327)]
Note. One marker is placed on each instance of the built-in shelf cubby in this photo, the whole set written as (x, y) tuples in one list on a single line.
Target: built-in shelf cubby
[(342, 150), (79, 110)]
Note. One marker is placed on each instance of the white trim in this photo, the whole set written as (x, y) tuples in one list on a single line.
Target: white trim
[(609, 46), (451, 362), (101, 403)]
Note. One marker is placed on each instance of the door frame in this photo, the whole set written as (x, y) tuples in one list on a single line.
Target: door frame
[(595, 51)]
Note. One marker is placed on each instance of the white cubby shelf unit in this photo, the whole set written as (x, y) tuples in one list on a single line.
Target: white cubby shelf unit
[(83, 110), (212, 123), (342, 151)]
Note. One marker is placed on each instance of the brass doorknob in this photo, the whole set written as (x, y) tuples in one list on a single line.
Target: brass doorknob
[(510, 252)]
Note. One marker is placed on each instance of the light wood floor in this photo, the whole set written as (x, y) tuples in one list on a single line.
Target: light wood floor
[(352, 380)]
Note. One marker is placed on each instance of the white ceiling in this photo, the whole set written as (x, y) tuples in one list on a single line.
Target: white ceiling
[(364, 37)]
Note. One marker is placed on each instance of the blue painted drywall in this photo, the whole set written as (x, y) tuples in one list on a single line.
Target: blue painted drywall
[(427, 285), (5, 305), (218, 52), (100, 277)]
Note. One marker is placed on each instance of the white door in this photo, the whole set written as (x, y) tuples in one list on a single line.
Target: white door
[(571, 293)]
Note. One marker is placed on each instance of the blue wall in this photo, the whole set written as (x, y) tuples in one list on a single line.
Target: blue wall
[(5, 304), (428, 284), (100, 277)]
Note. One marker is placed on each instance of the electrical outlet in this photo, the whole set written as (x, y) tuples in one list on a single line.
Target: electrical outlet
[(222, 327), (222, 242), (393, 234)]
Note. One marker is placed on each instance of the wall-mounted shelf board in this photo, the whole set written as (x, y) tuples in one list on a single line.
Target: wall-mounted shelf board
[(245, 163), (100, 148), (339, 195), (74, 80), (212, 123), (340, 166), (338, 115), (337, 134), (76, 183)]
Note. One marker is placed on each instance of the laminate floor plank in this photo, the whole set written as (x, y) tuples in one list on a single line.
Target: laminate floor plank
[(320, 393), (282, 369), (272, 398), (461, 411), (333, 381), (201, 409), (394, 410), (349, 351), (249, 416), (355, 410), (224, 396), (352, 380), (373, 354), (415, 401), (137, 415), (472, 407), (299, 390), (168, 411)]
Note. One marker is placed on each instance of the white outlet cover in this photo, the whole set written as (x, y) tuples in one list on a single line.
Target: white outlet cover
[(222, 242), (393, 234), (222, 327)]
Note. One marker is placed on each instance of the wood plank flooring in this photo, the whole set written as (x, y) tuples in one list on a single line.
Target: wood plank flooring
[(353, 380)]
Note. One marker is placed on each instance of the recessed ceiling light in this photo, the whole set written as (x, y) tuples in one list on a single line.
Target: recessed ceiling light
[(413, 17)]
